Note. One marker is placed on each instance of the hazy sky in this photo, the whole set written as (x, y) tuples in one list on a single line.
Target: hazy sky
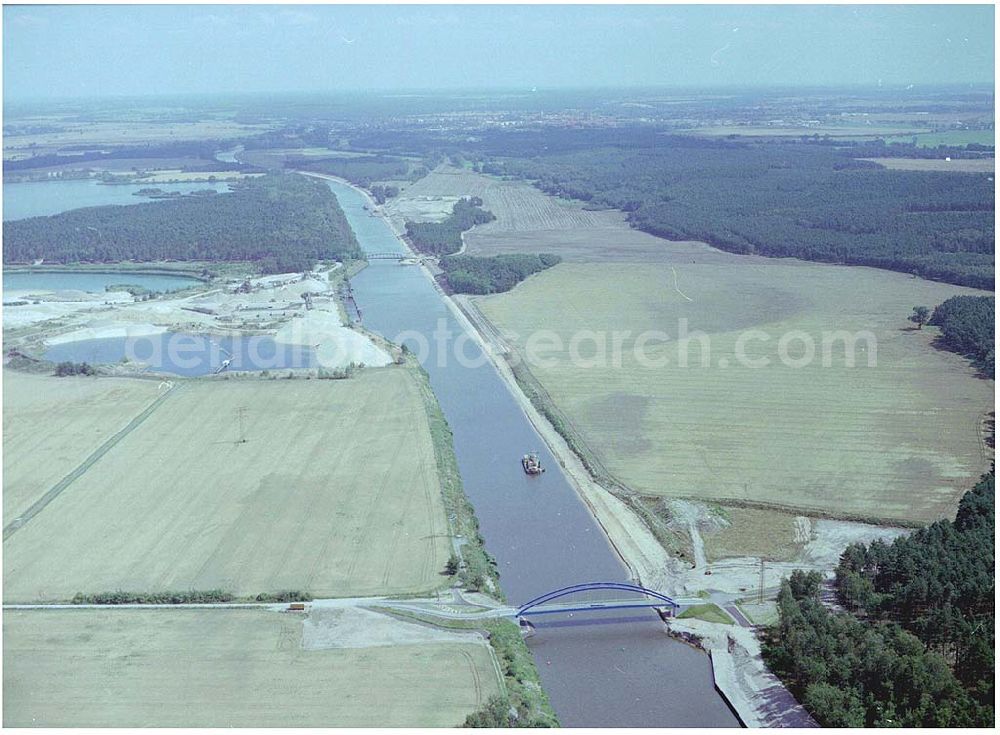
[(57, 51)]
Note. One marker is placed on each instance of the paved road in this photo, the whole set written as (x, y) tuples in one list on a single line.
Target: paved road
[(458, 608), (739, 617)]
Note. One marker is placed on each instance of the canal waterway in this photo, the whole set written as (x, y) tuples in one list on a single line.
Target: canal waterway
[(600, 670)]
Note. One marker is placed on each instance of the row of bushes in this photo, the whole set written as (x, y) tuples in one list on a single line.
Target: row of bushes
[(190, 597), (524, 704), (66, 368)]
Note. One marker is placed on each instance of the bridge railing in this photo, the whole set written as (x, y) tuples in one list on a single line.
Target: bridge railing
[(549, 597)]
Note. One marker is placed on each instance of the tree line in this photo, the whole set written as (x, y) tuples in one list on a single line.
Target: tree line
[(382, 193), (484, 275), (916, 647), (967, 326), (781, 199), (445, 238), (283, 222), (938, 584), (67, 368)]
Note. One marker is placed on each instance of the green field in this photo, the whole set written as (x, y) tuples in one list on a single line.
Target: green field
[(955, 165), (707, 612), (335, 491), (948, 137), (896, 442), (226, 668)]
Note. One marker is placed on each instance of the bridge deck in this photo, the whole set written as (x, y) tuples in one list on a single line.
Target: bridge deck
[(595, 605)]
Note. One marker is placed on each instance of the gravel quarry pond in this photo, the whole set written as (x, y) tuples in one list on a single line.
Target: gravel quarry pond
[(600, 669), (27, 281), (187, 355)]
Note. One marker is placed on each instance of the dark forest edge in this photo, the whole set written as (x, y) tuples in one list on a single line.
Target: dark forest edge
[(811, 198), (474, 274), (967, 324), (784, 200), (916, 647), (445, 238), (282, 222)]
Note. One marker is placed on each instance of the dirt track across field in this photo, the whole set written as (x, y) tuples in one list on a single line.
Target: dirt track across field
[(334, 491)]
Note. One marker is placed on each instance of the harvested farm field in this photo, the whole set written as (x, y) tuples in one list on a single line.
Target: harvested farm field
[(250, 486), (757, 532), (530, 221), (226, 668), (51, 425), (896, 442), (958, 165)]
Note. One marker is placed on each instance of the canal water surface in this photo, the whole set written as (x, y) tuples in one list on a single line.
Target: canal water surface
[(600, 670)]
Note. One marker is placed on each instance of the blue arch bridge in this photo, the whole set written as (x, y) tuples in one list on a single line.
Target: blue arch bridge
[(568, 600)]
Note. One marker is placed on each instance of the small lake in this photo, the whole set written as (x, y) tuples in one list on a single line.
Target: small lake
[(42, 198), (187, 355), (90, 282)]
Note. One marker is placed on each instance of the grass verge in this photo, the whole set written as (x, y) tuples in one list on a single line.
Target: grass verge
[(474, 566), (708, 612)]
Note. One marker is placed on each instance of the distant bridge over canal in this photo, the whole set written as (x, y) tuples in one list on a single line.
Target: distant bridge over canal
[(387, 256)]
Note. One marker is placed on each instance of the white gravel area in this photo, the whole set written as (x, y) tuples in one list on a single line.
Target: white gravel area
[(355, 627), (334, 344), (107, 332)]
